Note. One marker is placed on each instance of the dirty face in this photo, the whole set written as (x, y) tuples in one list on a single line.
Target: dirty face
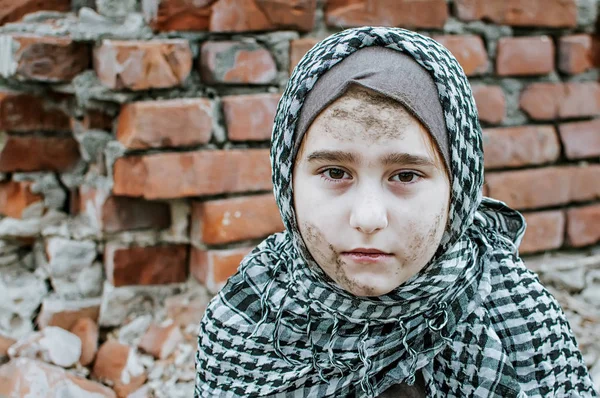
[(371, 193)]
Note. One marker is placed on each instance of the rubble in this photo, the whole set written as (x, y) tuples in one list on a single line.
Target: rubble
[(21, 293), (87, 331), (118, 365), (161, 341), (53, 345), (24, 377), (56, 311)]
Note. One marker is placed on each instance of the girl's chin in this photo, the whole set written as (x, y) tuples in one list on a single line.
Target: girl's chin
[(370, 287)]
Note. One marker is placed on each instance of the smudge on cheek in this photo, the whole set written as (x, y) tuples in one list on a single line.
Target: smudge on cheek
[(424, 238), (315, 240), (416, 244)]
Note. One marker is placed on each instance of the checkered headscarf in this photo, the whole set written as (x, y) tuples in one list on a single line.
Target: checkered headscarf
[(474, 321)]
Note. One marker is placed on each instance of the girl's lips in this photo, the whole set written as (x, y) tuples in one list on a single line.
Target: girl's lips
[(366, 257)]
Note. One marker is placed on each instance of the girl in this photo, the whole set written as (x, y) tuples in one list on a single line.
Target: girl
[(394, 276)]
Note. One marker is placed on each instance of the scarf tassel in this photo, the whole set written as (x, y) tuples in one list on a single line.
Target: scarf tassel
[(365, 383), (412, 353), (277, 331), (264, 297), (442, 310)]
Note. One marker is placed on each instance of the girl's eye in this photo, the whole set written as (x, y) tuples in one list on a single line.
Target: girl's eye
[(406, 177), (335, 174)]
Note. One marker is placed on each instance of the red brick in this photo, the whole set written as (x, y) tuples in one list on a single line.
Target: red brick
[(298, 48), (250, 117), (491, 103), (161, 341), (145, 265), (547, 13), (520, 146), (550, 186), (523, 56), (401, 13), (232, 62), (583, 225), (97, 120), (469, 50), (234, 15), (112, 362), (92, 120), (142, 65), (119, 213), (253, 15), (46, 59), (24, 377), (14, 10), (87, 331), (180, 15), (585, 183), (547, 101), (230, 220), (16, 196), (35, 153), (212, 268), (23, 112), (198, 173), (56, 311), (576, 53), (581, 139), (168, 123), (545, 231)]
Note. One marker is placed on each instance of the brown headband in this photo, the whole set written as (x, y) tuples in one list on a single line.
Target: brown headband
[(389, 73)]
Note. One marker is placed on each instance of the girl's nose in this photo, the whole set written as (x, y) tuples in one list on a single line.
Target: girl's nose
[(369, 213)]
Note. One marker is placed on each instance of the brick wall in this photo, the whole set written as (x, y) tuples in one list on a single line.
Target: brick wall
[(134, 137)]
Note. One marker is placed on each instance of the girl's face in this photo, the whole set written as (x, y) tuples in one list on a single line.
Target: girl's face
[(371, 193)]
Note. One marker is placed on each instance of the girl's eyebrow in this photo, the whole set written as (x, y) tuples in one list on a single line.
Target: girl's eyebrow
[(406, 158), (387, 160), (333, 156)]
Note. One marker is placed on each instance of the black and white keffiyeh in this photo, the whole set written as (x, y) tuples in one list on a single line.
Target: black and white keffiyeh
[(475, 322)]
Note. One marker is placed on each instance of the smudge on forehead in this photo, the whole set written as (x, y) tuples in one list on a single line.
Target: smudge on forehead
[(364, 116)]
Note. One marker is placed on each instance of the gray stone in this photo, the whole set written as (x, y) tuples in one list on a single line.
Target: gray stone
[(572, 280), (52, 344), (76, 228), (73, 178), (120, 304), (587, 13), (131, 333), (21, 293), (180, 216), (11, 228), (92, 144), (78, 4), (73, 272), (92, 26), (116, 8), (47, 185), (512, 92), (85, 283), (591, 294), (8, 64), (87, 88), (69, 256), (10, 252)]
